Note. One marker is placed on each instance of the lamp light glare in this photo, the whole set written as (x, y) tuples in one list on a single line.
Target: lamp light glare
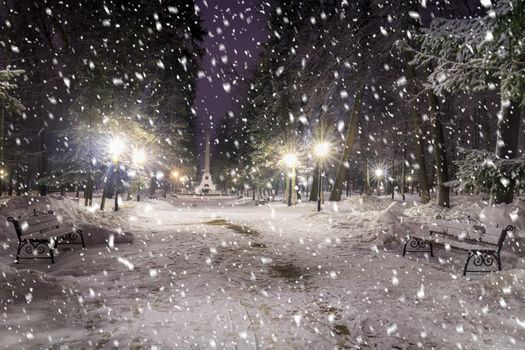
[(290, 159), (116, 147), (322, 149), (139, 156)]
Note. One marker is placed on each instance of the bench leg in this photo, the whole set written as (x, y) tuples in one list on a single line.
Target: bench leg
[(82, 238), (418, 245), (35, 248), (470, 255), (19, 249), (73, 238), (482, 258), (51, 248)]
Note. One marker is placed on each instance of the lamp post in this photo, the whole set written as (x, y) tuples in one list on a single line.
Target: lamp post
[(291, 161), (321, 151), (139, 157), (116, 147), (410, 184), (174, 175), (379, 174)]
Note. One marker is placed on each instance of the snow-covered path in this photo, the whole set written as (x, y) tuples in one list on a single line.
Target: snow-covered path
[(234, 276)]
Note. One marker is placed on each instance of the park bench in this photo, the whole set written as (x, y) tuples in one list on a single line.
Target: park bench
[(483, 243), (40, 233)]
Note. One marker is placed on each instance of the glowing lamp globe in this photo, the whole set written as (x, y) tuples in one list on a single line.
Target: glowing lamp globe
[(290, 159), (139, 157), (322, 149), (116, 147)]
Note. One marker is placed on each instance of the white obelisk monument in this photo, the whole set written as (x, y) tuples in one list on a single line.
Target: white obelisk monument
[(206, 185)]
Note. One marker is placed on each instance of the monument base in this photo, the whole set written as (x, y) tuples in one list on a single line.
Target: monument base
[(206, 186)]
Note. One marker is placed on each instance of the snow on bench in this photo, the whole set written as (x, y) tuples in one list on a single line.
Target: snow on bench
[(40, 233), (482, 242)]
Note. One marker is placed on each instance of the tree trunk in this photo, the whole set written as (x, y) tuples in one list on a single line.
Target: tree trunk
[(348, 182), (2, 139), (18, 188), (367, 182), (335, 194), (393, 175), (403, 167), (416, 123), (314, 190), (440, 156), (10, 184), (104, 194), (43, 162), (86, 194), (506, 148), (152, 186)]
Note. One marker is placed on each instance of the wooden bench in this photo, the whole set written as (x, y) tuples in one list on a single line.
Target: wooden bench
[(40, 233), (482, 242)]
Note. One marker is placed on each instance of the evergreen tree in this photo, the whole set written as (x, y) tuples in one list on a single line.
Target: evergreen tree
[(478, 54)]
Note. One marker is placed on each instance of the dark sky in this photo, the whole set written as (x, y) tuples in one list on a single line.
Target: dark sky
[(235, 32)]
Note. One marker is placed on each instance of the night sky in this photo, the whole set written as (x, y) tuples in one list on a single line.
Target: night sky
[(235, 34)]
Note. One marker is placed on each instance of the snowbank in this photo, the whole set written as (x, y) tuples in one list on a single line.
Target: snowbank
[(386, 222), (26, 286), (97, 226), (367, 217), (505, 214)]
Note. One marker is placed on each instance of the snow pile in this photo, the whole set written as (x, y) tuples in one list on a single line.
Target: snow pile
[(506, 285), (97, 227), (392, 214), (364, 203), (505, 214), (366, 217), (27, 286), (461, 208)]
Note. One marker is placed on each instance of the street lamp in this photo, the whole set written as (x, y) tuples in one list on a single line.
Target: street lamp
[(379, 174), (138, 159), (321, 151), (116, 147), (291, 161)]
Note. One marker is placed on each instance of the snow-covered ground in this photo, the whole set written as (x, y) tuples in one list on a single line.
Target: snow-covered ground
[(224, 273)]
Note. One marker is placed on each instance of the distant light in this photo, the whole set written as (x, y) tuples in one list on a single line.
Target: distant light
[(322, 149), (116, 147), (409, 178), (379, 172), (139, 156), (290, 159)]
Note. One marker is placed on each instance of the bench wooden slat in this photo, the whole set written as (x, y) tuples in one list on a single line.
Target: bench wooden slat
[(33, 220), (53, 233), (26, 229), (467, 231), (445, 239)]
